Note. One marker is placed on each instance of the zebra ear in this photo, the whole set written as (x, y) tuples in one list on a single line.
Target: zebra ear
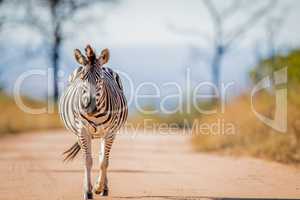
[(104, 57), (79, 57)]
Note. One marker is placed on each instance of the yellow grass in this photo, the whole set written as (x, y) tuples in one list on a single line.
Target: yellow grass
[(251, 136), (14, 120)]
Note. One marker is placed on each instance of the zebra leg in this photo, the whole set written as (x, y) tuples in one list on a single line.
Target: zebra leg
[(102, 183), (98, 188), (85, 142)]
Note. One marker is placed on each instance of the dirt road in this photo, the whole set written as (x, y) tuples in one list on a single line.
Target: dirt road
[(144, 167)]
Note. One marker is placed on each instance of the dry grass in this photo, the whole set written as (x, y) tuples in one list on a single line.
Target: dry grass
[(251, 136), (14, 120)]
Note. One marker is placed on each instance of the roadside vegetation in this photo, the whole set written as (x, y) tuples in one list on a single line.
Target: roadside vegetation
[(13, 120), (251, 136)]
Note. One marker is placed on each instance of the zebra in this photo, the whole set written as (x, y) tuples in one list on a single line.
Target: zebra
[(92, 106)]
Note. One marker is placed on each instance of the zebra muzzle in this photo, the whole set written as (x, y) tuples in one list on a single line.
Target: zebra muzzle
[(91, 108), (85, 102)]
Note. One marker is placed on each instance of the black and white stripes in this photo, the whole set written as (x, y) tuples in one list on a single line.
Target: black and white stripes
[(106, 110), (93, 106)]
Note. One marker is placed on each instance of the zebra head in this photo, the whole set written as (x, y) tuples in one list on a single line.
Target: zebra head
[(91, 78)]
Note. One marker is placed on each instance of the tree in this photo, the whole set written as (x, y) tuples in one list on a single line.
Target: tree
[(273, 28), (225, 36), (49, 17)]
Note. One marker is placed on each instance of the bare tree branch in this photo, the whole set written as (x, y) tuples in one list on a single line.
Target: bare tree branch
[(232, 8), (253, 19), (217, 22), (223, 39), (49, 17), (214, 14)]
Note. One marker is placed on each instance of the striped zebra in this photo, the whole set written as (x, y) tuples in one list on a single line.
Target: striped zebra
[(93, 106)]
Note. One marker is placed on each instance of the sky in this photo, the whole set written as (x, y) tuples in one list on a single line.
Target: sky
[(140, 35), (142, 22)]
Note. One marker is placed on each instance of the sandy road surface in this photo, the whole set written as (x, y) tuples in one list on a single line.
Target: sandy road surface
[(145, 167)]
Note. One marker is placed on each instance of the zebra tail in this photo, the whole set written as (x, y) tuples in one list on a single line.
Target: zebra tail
[(71, 153)]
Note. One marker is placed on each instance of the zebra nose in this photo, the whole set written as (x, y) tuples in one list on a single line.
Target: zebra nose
[(85, 101), (91, 109)]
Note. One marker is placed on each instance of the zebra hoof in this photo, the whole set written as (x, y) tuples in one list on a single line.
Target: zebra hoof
[(88, 195), (103, 193), (97, 192)]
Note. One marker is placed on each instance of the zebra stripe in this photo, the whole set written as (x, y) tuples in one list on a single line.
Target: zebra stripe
[(93, 106), (111, 106)]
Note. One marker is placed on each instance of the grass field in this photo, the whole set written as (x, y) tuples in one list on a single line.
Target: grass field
[(14, 120), (251, 136)]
